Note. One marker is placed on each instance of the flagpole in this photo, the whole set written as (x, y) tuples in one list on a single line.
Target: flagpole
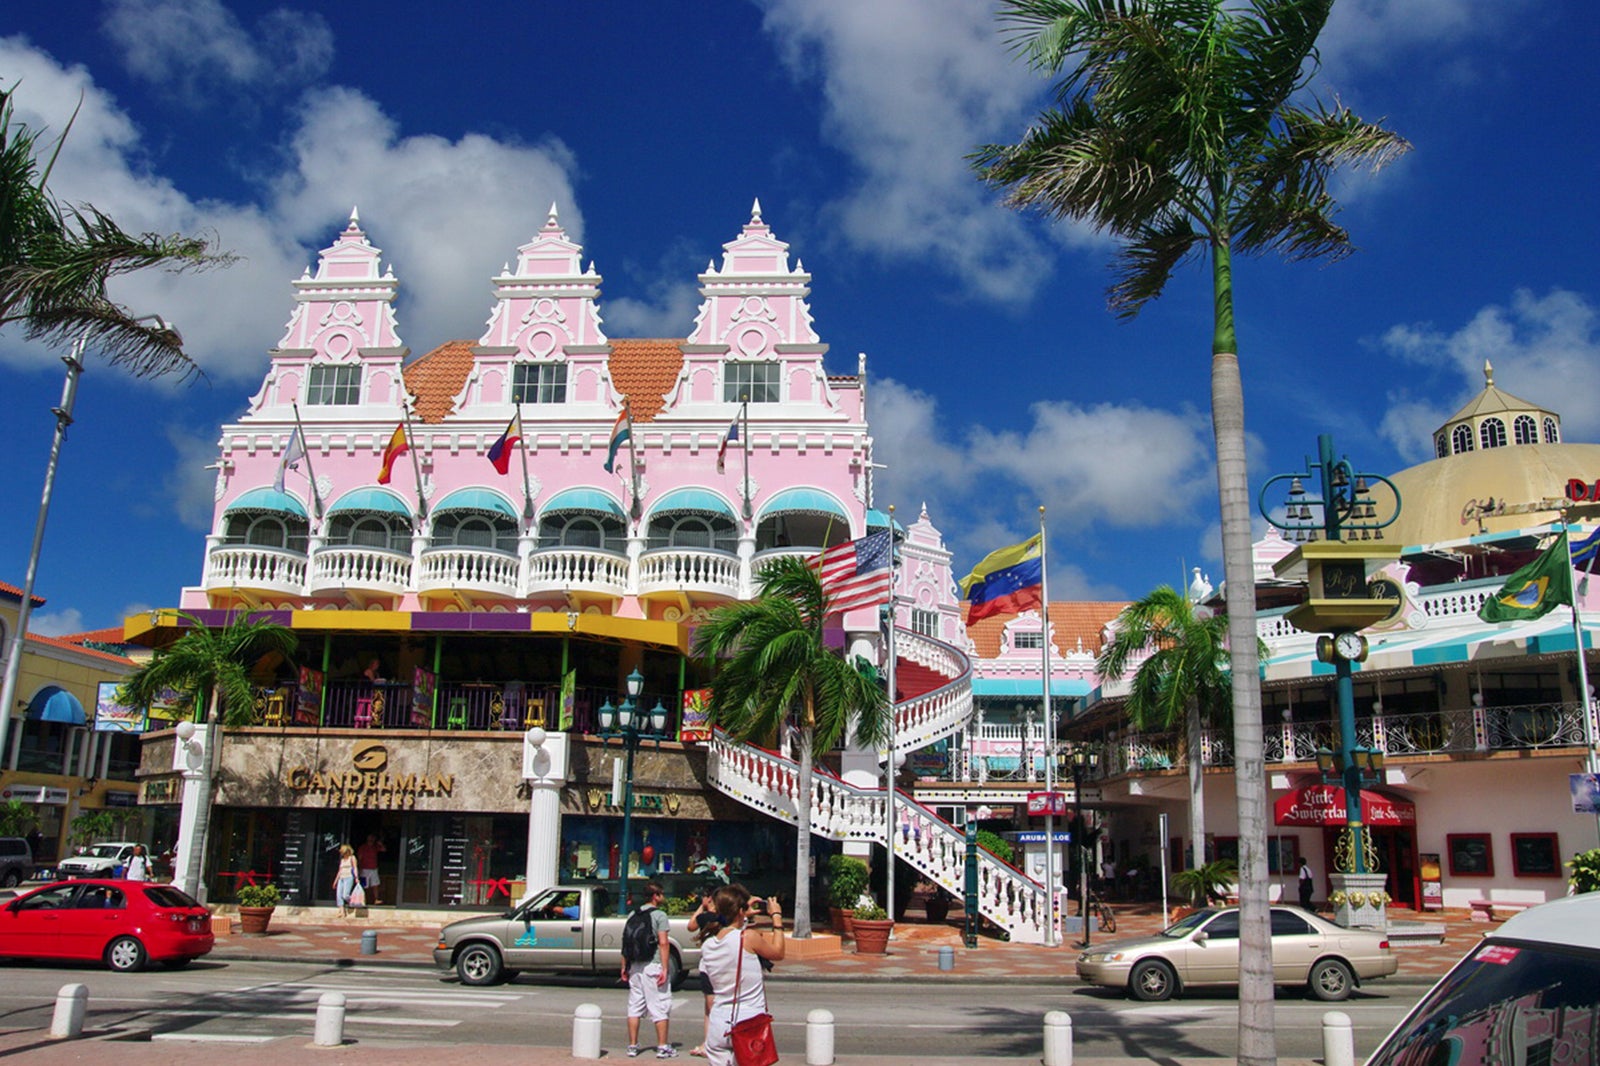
[(1591, 759), (744, 446), (311, 474), (1049, 737), (527, 488), (416, 464), (888, 766), (636, 508)]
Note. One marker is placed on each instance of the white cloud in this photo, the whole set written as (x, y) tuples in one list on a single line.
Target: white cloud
[(1363, 34), (189, 488), (56, 623), (187, 46)]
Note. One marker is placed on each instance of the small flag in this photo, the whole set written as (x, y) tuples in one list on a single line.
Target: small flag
[(1007, 581), (855, 574), (621, 433), (727, 439), (398, 446), (293, 452), (500, 450), (1584, 551), (1535, 590)]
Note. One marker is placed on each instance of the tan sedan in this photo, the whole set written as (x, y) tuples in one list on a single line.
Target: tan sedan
[(1202, 950)]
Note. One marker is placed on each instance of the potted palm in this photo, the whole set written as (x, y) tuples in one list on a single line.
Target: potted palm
[(872, 929), (847, 878), (256, 904), (1205, 882)]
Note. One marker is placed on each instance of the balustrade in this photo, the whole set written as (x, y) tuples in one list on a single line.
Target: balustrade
[(678, 570), (260, 569), (470, 570)]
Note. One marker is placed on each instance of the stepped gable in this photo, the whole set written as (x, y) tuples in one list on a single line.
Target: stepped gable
[(1070, 623), (645, 370), (436, 379)]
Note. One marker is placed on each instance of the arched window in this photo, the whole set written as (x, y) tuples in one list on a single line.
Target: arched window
[(1441, 446), (1461, 440), (369, 530), (582, 529), (1493, 433), (1551, 436), (693, 529), (1524, 430), (264, 530), (471, 529)]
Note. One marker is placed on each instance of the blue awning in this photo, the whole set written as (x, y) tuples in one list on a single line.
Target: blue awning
[(592, 501), (1017, 686), (485, 501), (692, 500), (810, 501), (55, 704), (371, 500), (880, 520), (268, 500)]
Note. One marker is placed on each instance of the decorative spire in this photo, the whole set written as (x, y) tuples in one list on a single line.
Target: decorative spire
[(355, 219), (1488, 375), (755, 210), (552, 222)]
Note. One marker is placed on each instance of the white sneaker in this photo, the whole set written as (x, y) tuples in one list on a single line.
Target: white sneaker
[(666, 1051), (633, 1051)]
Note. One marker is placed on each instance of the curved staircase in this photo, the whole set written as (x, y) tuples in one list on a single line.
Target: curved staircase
[(941, 676)]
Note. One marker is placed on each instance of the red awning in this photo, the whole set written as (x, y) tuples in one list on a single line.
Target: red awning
[(1324, 805)]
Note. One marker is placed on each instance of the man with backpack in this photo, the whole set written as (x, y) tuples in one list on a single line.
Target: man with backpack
[(646, 969)]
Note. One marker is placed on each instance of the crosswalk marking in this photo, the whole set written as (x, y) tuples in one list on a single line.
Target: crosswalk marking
[(286, 1016)]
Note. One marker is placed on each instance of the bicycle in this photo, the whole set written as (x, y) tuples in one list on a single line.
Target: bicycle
[(1101, 911)]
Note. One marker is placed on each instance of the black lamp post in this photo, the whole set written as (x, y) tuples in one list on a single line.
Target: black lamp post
[(625, 722), (1082, 759)]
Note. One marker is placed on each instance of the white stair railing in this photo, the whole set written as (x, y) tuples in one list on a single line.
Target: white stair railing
[(932, 716)]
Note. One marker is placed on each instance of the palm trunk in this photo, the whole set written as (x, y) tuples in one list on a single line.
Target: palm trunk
[(1257, 1034), (1197, 782), (194, 876), (802, 846)]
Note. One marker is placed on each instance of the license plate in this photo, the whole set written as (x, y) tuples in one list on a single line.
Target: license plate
[(195, 925)]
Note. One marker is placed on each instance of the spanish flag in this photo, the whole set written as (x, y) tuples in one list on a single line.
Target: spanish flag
[(398, 446)]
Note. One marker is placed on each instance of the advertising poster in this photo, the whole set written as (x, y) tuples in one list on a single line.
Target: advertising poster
[(1432, 887), (696, 723), (308, 700), (171, 706), (113, 717), (1585, 793), (569, 699), (423, 683)]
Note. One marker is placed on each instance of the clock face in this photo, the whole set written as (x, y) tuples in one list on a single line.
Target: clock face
[(1350, 646)]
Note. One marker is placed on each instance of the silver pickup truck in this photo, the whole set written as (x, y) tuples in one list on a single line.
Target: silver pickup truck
[(565, 929)]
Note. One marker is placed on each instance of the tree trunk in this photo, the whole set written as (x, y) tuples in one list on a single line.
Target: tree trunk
[(802, 845), (1197, 781), (194, 876)]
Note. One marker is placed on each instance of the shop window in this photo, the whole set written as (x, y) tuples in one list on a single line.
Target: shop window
[(539, 383), (333, 385)]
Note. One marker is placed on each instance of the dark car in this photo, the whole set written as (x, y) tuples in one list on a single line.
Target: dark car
[(121, 923), (1529, 992), (16, 861)]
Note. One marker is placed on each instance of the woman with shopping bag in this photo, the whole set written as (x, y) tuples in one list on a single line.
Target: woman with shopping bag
[(740, 1029)]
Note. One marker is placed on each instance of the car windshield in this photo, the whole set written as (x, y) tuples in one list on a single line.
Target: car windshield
[(105, 851), (1518, 1004), (167, 896), (1188, 924)]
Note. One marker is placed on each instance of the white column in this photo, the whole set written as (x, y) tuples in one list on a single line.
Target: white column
[(545, 767), (189, 759)]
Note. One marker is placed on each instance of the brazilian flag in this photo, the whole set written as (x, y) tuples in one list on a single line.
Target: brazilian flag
[(1535, 590)]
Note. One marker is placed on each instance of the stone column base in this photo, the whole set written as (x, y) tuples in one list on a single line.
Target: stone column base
[(1360, 902)]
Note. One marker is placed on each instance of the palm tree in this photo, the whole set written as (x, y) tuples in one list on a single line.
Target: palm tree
[(215, 664), (774, 672), (55, 263), (1183, 682), (1180, 129)]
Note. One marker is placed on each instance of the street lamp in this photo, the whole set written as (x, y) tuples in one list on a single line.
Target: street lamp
[(1082, 758), (1339, 603), (63, 413), (625, 722)]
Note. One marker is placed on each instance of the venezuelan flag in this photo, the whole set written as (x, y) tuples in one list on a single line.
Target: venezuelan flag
[(1008, 580)]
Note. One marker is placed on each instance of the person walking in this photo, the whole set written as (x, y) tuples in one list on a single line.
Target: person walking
[(731, 957), (138, 865), (344, 879), (646, 967), (367, 862), (1307, 884)]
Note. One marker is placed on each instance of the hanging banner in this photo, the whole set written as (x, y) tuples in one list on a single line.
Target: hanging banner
[(113, 717), (569, 699), (696, 719), (1041, 803), (170, 705), (308, 698), (1324, 805), (423, 684)]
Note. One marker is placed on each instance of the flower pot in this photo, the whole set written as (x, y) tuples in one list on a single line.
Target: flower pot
[(839, 921), (872, 936), (937, 907), (253, 920)]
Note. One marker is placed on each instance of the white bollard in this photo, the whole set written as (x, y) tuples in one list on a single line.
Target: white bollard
[(1338, 1039), (72, 1003), (1058, 1038), (819, 1038), (586, 1031), (329, 1031)]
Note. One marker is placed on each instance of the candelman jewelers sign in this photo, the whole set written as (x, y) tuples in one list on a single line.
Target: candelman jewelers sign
[(368, 781)]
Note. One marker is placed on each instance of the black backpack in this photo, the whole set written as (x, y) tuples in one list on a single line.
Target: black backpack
[(639, 940)]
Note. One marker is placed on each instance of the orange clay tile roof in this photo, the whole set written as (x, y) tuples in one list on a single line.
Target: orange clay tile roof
[(645, 371), (436, 378), (1070, 622), (12, 592), (58, 642), (109, 635)]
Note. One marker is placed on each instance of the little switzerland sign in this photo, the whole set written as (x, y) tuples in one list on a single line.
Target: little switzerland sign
[(1324, 805), (368, 783)]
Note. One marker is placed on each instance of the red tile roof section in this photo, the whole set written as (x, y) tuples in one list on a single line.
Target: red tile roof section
[(437, 377), (15, 593), (110, 635), (67, 645), (1071, 622), (645, 371)]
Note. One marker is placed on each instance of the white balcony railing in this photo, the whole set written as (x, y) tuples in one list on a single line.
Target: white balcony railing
[(270, 570), (577, 570), (932, 716), (689, 570), (372, 570), (473, 570)]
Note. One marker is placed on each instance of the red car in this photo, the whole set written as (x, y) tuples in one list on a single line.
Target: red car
[(123, 923)]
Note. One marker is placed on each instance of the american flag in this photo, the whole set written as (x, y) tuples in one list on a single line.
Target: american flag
[(855, 574)]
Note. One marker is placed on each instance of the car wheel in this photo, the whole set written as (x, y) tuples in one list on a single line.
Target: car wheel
[(11, 880), (1152, 981), (125, 955), (1331, 981), (478, 964)]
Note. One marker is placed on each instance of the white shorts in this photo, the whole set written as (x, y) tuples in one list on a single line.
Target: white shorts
[(646, 995), (370, 878)]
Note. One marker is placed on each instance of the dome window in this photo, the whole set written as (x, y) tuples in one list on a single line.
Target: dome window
[(1551, 435), (1461, 440), (1493, 433), (1524, 430), (1441, 446)]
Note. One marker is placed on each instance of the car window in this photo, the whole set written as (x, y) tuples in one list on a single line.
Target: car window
[(49, 898), (1187, 924), (167, 896), (1288, 923), (1224, 927), (1528, 1003), (101, 897), (104, 851)]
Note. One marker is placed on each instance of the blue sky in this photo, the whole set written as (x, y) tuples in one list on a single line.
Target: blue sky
[(998, 379)]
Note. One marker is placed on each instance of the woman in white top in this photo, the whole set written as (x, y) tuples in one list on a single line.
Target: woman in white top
[(758, 932)]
